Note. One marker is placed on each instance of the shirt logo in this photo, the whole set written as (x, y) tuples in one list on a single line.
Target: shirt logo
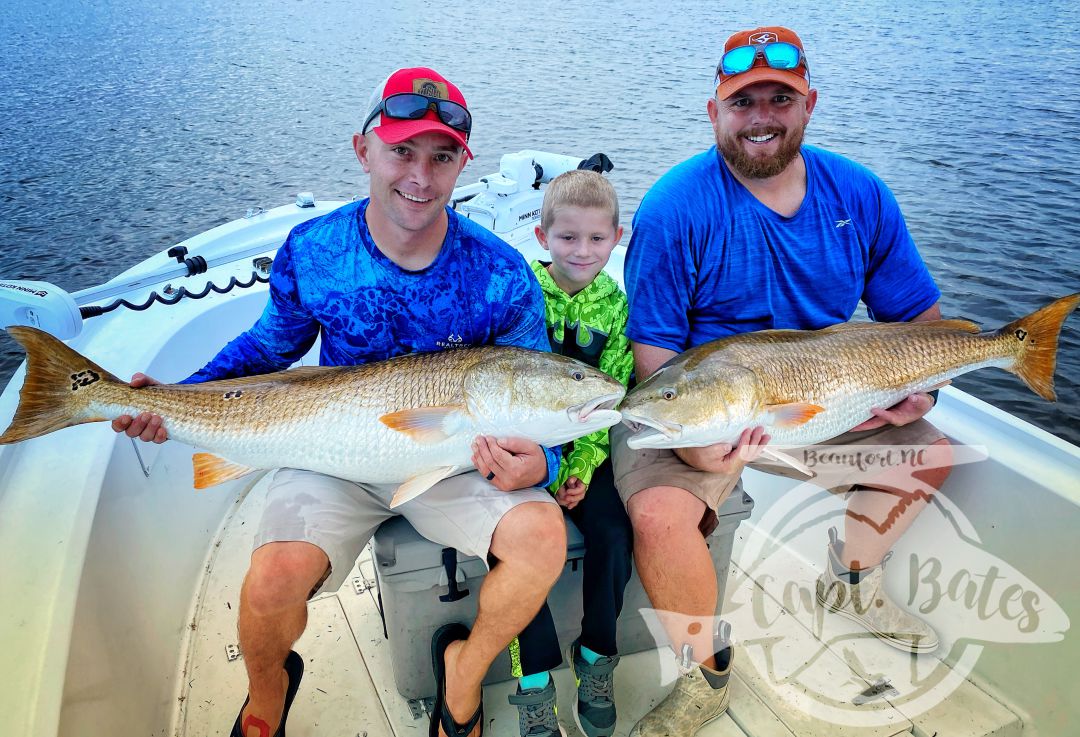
[(842, 223), (453, 340), (764, 37)]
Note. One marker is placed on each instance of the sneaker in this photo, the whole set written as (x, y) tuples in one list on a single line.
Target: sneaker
[(867, 604), (537, 714), (595, 712), (699, 697)]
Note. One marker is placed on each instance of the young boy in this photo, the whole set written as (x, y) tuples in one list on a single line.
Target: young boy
[(585, 313)]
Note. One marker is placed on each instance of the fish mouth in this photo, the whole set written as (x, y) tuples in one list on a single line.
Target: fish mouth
[(647, 431), (581, 412)]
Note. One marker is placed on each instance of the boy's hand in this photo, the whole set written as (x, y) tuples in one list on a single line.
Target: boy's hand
[(571, 493)]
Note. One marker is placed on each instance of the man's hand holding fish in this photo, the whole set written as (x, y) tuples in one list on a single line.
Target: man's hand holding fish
[(145, 426), (909, 409), (726, 458), (510, 463)]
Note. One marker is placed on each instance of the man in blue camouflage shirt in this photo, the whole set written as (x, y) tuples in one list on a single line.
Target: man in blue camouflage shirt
[(398, 272)]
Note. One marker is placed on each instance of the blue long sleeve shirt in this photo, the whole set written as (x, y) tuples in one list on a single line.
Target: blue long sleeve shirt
[(329, 277)]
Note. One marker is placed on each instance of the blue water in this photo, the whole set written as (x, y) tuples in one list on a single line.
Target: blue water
[(128, 126)]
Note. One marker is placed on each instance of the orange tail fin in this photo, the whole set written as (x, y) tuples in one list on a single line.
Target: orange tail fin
[(60, 383), (1038, 337)]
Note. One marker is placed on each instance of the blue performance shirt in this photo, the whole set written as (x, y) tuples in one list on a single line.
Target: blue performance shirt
[(329, 277), (707, 259)]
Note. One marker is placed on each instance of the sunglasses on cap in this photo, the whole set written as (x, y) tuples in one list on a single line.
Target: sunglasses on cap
[(413, 106), (778, 55)]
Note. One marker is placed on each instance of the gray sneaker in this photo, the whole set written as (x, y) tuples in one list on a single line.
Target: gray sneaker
[(867, 603), (537, 714), (595, 712), (699, 696)]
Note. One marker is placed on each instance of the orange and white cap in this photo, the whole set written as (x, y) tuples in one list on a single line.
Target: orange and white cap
[(797, 78)]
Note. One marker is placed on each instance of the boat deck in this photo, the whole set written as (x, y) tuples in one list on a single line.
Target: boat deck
[(348, 687)]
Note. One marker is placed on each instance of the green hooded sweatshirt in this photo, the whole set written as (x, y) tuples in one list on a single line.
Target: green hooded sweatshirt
[(591, 327)]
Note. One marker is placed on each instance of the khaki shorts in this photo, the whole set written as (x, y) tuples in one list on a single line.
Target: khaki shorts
[(339, 516), (636, 470)]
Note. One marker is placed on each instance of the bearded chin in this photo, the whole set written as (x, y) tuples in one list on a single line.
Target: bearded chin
[(758, 167)]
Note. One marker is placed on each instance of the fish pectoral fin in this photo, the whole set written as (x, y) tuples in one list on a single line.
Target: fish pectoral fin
[(424, 425), (793, 414), (211, 470), (787, 460), (420, 483)]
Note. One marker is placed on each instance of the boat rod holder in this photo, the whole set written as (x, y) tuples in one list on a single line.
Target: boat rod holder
[(195, 264)]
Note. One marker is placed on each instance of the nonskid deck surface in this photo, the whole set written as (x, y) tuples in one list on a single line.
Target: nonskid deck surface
[(348, 687)]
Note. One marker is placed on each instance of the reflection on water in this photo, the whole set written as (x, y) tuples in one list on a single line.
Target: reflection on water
[(127, 127)]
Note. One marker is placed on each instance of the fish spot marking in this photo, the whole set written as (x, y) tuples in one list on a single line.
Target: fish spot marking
[(235, 394), (84, 378), (1020, 334)]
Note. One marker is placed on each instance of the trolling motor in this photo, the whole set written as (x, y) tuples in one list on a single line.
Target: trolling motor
[(530, 169), (510, 198), (41, 305)]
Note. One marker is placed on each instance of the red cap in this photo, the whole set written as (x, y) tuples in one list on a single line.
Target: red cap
[(797, 78), (423, 81)]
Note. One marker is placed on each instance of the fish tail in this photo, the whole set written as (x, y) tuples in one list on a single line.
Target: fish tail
[(59, 386), (1035, 340)]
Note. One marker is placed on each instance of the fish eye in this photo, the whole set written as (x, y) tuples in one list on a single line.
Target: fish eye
[(668, 393), (577, 375)]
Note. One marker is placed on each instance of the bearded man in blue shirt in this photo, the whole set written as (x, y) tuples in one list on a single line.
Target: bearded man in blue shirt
[(398, 272), (761, 232)]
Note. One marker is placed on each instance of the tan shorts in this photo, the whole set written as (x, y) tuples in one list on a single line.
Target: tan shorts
[(636, 470), (340, 516)]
